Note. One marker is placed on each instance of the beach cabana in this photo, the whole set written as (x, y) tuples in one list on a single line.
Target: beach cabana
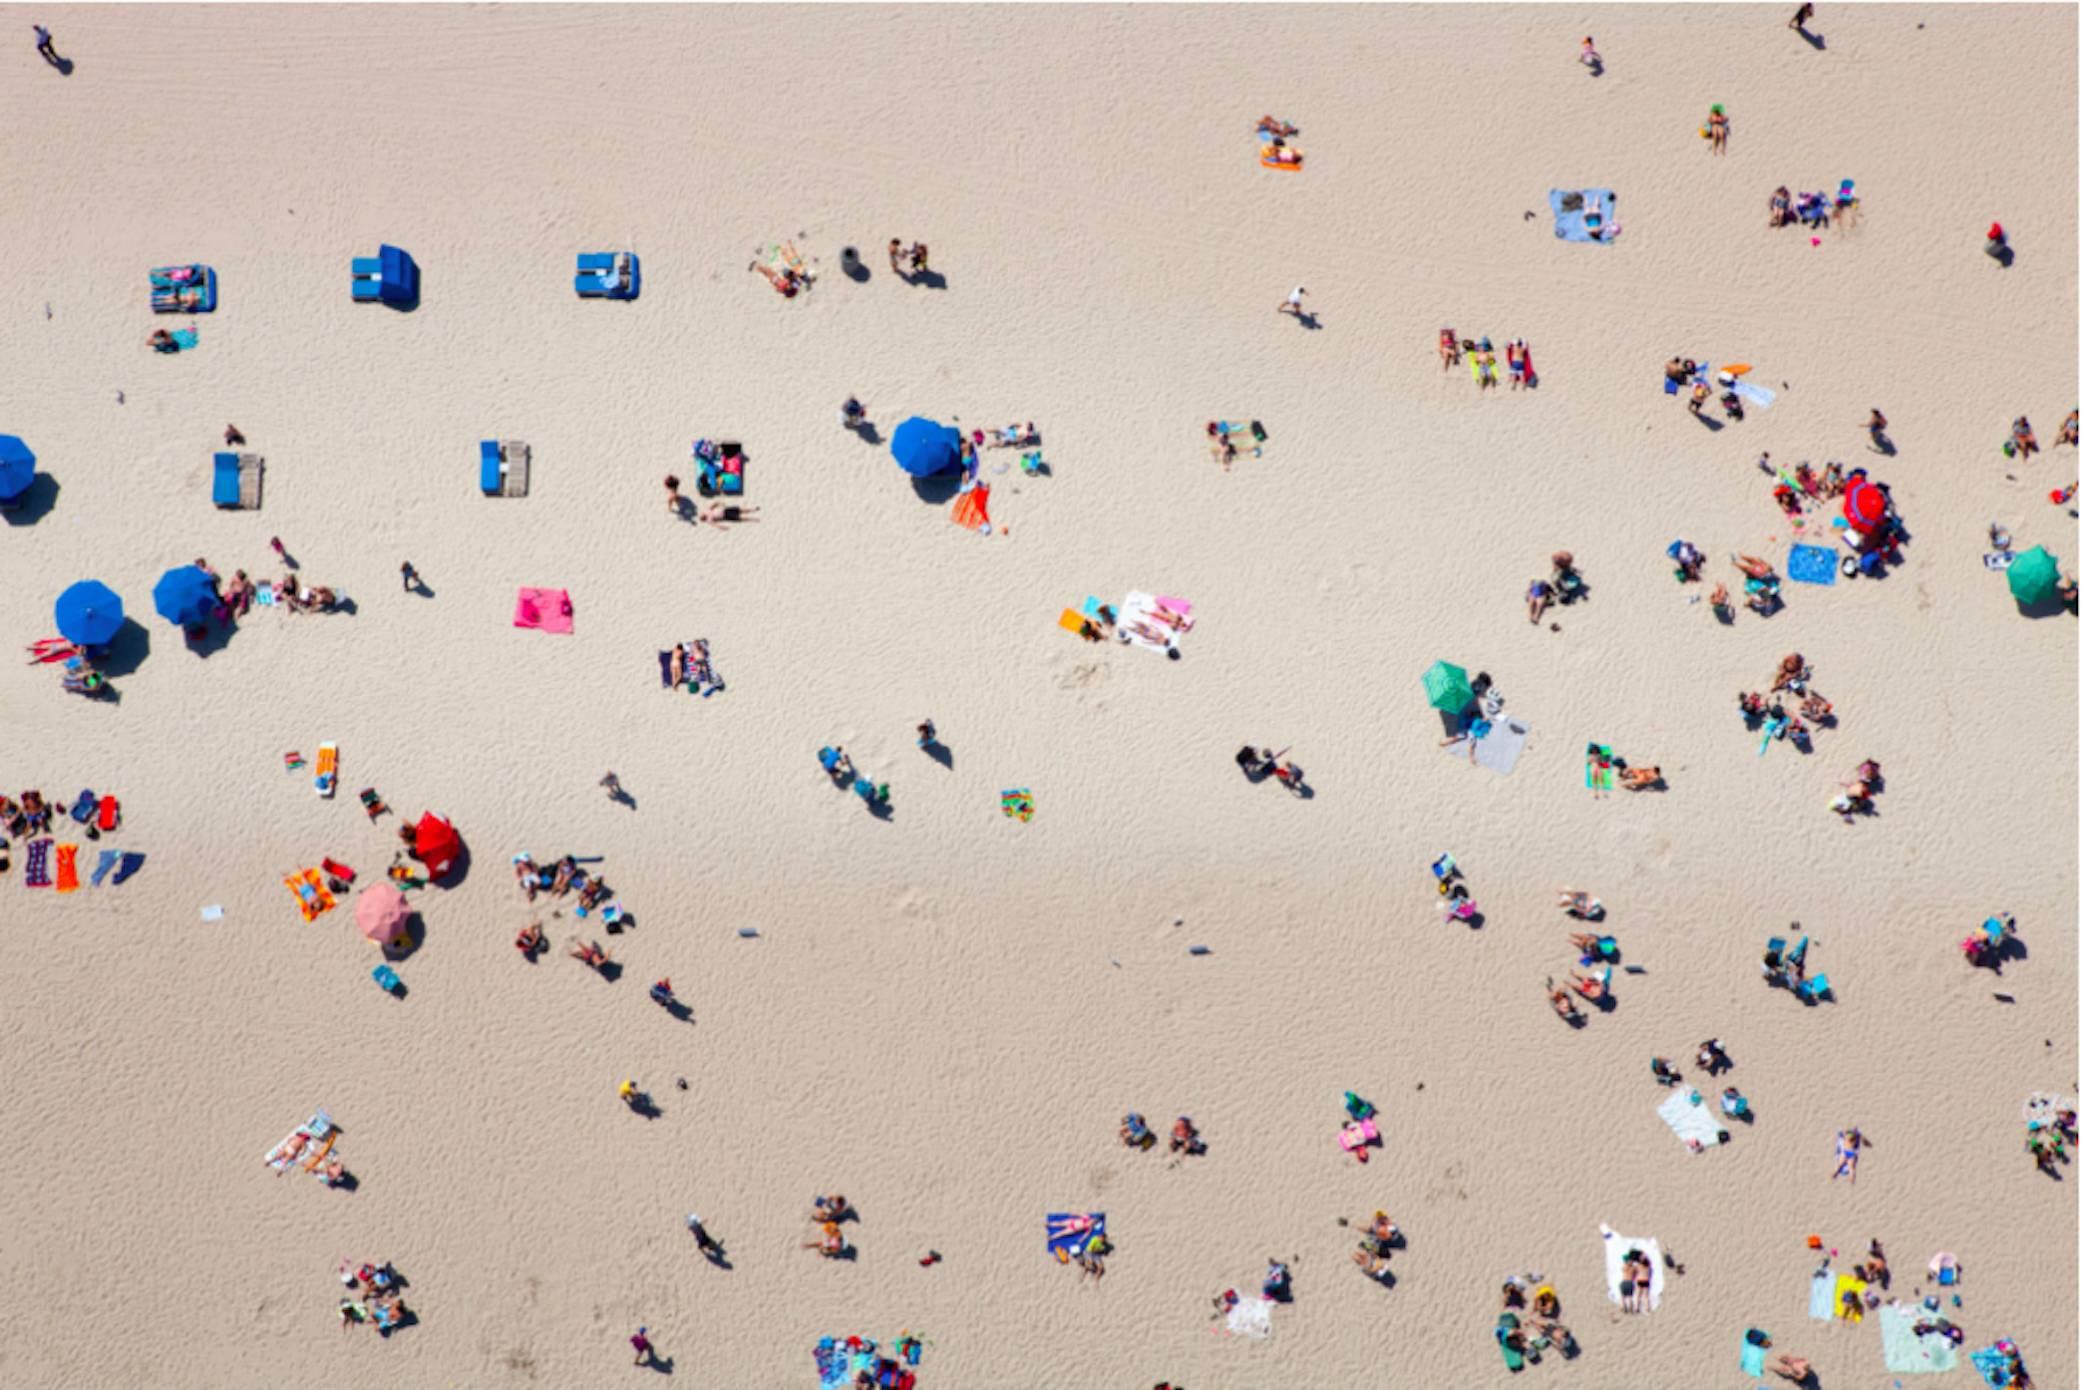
[(435, 844), (185, 597), (1447, 689), (607, 275), (2034, 576), (381, 913), (925, 447), (89, 613), (17, 468), (390, 276), (184, 289)]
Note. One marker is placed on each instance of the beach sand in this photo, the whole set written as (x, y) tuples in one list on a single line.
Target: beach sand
[(947, 1011)]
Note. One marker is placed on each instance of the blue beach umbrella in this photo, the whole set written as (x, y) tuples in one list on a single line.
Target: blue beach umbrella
[(185, 597), (17, 467), (89, 613), (924, 447)]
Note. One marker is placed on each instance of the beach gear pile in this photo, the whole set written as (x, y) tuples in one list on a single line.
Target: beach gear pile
[(373, 1297), (719, 468), (1361, 1131), (566, 875), (1017, 803), (893, 1366), (52, 863)]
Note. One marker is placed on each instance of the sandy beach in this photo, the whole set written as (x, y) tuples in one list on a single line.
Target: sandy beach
[(946, 1010)]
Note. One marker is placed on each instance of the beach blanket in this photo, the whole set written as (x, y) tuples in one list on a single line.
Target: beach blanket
[(36, 873), (702, 679), (184, 339), (317, 1129), (1569, 221), (1857, 1287), (1759, 396), (1617, 1247), (1907, 1353), (1753, 1357), (1994, 1363), (1687, 1114), (1142, 609), (1018, 803), (1068, 1232), (1499, 749), (548, 610), (1819, 1294), (1812, 564), (1253, 1318), (68, 868), (970, 509)]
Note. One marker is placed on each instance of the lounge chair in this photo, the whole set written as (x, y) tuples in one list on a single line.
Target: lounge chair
[(607, 275), (235, 481), (502, 468), (1814, 988)]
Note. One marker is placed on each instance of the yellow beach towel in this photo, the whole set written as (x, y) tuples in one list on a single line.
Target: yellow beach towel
[(1856, 1311)]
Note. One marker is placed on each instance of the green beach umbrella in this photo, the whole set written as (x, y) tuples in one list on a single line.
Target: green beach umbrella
[(1446, 686), (2034, 576)]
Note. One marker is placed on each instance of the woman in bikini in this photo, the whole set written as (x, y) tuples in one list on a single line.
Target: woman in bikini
[(1637, 779), (1559, 1000), (1449, 349), (1718, 130)]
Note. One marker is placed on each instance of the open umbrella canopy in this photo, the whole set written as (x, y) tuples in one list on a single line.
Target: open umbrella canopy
[(17, 467), (435, 844), (185, 597), (380, 912), (924, 447), (89, 613), (1446, 686), (1865, 506), (2034, 576)]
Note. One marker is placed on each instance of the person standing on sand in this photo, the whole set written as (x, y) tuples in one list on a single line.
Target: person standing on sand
[(409, 577), (1589, 57), (928, 735), (642, 1342), (43, 47), (1293, 304), (1877, 431), (1799, 23), (232, 437), (705, 1242), (672, 495), (897, 256)]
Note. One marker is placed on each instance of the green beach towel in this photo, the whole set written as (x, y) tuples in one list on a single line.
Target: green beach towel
[(1908, 1354)]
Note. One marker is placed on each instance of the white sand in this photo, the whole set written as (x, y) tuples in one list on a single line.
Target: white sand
[(947, 1013)]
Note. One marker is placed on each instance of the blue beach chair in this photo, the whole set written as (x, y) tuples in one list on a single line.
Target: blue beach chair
[(391, 277), (1815, 988), (489, 476), (386, 977), (607, 275)]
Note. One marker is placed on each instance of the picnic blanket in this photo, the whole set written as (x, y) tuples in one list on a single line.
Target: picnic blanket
[(1253, 1318), (548, 610), (1812, 564), (1687, 1114), (1617, 1247), (1905, 1351), (1569, 221)]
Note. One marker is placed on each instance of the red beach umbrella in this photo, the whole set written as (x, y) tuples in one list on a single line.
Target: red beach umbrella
[(1865, 506), (435, 844)]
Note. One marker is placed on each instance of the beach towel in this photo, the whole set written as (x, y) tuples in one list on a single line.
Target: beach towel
[(547, 610), (36, 872), (1142, 608), (1071, 620), (1018, 803), (311, 893), (1753, 1357), (1598, 772), (1908, 1354), (1812, 564), (68, 868), (1498, 748), (106, 862), (133, 860), (1569, 221), (701, 671), (1068, 1232), (1819, 1294), (1253, 1318), (184, 339), (1617, 1247), (1994, 1363), (1689, 1117), (328, 772), (1847, 1284), (1759, 396)]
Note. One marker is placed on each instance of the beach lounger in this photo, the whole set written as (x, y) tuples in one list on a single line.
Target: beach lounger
[(390, 276), (133, 860), (107, 861), (1072, 621), (607, 275), (235, 481), (502, 468), (1820, 1287), (184, 289), (1507, 1324), (36, 869), (109, 814), (327, 778)]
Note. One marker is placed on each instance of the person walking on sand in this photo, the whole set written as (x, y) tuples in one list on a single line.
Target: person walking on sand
[(275, 544), (44, 49), (642, 1342), (409, 577), (853, 414), (897, 256), (1877, 431), (1799, 23), (703, 1241), (1588, 56), (928, 735), (672, 494), (232, 437), (1293, 303)]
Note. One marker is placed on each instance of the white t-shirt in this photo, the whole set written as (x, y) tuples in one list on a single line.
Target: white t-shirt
[(1295, 299)]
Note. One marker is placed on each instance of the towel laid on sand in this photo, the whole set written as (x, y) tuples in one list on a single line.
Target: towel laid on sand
[(1569, 220), (1759, 396), (1846, 1284), (1905, 1351), (1068, 1232), (36, 873), (1617, 1247), (1753, 1358), (1142, 608), (1812, 564), (548, 610), (1253, 1318), (1689, 1117), (1820, 1292)]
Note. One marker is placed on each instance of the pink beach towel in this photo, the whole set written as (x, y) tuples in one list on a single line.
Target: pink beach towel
[(546, 609)]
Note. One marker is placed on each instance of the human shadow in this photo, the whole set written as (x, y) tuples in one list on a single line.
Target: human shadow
[(2003, 256), (1883, 445), (1815, 41), (880, 809), (126, 651), (869, 435), (346, 606), (35, 502), (1597, 66), (1713, 425), (661, 1364), (939, 753), (1308, 319), (679, 1011), (931, 279), (406, 1318), (642, 1104), (421, 589), (621, 797), (609, 970), (718, 1258)]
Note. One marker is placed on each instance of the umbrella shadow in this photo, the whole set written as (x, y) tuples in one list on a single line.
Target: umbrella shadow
[(209, 639), (35, 502), (2048, 607), (939, 489), (122, 654), (458, 868)]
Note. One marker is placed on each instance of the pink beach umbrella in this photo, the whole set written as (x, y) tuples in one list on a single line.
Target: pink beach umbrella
[(381, 912)]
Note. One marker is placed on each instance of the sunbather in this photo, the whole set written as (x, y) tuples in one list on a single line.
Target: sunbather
[(1789, 1366), (1538, 596), (1279, 153), (1449, 349), (835, 1208), (785, 281), (1134, 1133), (1753, 567), (1578, 903), (1559, 1000), (1267, 125), (2022, 439), (718, 513), (1781, 206), (1592, 987), (1849, 1142), (1185, 1138), (590, 952), (162, 341), (1665, 1073), (529, 939), (1637, 779), (1712, 1059), (1594, 947), (1793, 673)]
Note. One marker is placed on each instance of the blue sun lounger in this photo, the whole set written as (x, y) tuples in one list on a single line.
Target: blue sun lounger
[(502, 468), (235, 481), (607, 275), (390, 277)]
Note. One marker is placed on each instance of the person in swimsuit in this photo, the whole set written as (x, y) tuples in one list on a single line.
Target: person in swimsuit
[(1718, 129), (2022, 438), (717, 514), (1782, 206), (1800, 23), (1449, 349), (2069, 431), (1515, 362), (1538, 596)]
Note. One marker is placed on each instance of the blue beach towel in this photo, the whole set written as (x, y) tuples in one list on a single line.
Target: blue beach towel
[(1072, 1243), (1753, 1358), (1570, 225), (1993, 1364), (184, 338), (1812, 564), (1759, 396)]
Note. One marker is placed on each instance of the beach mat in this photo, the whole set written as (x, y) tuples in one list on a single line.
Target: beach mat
[(1759, 396), (546, 610), (36, 873), (1819, 1288), (1753, 1358), (1253, 1318), (1617, 1247), (1908, 1354), (1847, 1284), (1499, 749), (1569, 225), (1993, 1364), (1072, 1243), (1690, 1119), (1812, 564), (1139, 606)]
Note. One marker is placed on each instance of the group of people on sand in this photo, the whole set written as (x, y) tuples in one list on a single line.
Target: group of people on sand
[(1597, 953), (1535, 1298), (373, 1297), (1273, 149), (1814, 210), (1482, 359), (567, 875), (2048, 1140), (1563, 585), (1684, 372), (826, 1214), (914, 256), (1599, 758), (1805, 488), (838, 766), (1186, 1140), (1261, 763), (1379, 1237)]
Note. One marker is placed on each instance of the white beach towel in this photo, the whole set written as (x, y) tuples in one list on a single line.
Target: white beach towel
[(1500, 750), (1822, 1295), (1139, 607), (1759, 396), (1617, 1247), (1253, 1318), (1690, 1119)]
